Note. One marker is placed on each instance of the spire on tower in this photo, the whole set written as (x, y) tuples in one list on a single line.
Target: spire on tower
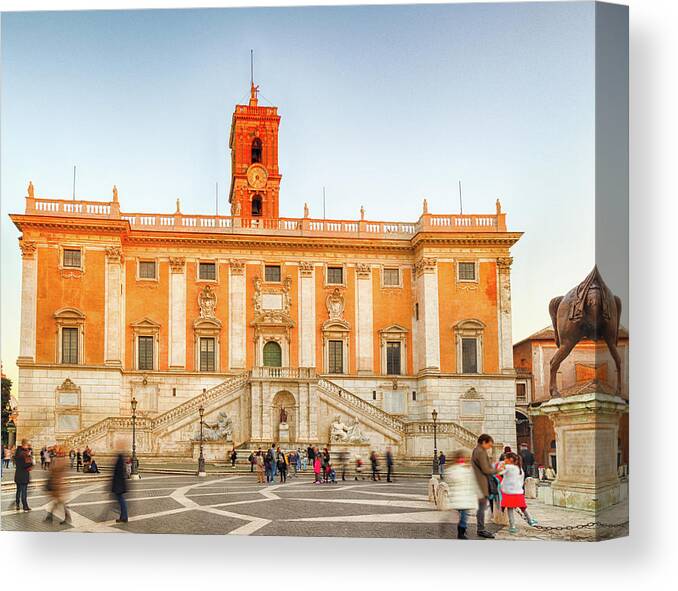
[(254, 89)]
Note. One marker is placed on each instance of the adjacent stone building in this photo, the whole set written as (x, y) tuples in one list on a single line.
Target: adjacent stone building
[(251, 314)]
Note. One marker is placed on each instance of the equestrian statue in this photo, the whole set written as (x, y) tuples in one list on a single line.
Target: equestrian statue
[(589, 311)]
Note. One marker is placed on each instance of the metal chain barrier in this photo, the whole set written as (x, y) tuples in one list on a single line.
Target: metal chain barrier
[(590, 524)]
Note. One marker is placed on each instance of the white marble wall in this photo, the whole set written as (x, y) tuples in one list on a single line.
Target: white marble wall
[(177, 317), (364, 321), (307, 317), (236, 324), (29, 293)]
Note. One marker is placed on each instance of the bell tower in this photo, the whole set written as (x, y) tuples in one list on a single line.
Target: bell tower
[(255, 177)]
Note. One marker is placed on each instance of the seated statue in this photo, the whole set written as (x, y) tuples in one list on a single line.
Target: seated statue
[(338, 431), (355, 434), (221, 431)]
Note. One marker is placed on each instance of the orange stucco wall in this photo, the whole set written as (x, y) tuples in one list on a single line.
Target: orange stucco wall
[(85, 293), (464, 301)]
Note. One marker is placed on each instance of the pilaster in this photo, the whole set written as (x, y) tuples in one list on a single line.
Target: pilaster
[(29, 286), (177, 313), (306, 314), (504, 304), (236, 324), (113, 319), (426, 270), (365, 324)]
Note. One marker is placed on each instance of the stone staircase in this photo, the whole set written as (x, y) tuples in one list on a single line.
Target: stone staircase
[(366, 409), (188, 409)]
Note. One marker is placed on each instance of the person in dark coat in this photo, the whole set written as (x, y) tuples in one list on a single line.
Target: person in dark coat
[(23, 462), (119, 486), (527, 458), (389, 465), (483, 469)]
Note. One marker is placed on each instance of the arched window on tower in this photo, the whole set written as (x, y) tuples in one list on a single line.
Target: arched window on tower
[(256, 205), (256, 150)]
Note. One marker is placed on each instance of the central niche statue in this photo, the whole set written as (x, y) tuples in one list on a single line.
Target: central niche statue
[(222, 430), (338, 431), (283, 415)]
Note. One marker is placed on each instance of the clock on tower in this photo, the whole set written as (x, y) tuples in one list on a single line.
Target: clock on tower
[(255, 177)]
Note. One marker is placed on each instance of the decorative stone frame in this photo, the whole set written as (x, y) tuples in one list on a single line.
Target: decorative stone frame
[(469, 329), (71, 272), (145, 328), (267, 334), (198, 279), (70, 318), (472, 410), (326, 272), (476, 271), (400, 277), (207, 328), (392, 333), (336, 330), (140, 260), (63, 407)]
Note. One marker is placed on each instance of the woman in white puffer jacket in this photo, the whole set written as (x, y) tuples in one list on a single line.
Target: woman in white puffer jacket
[(464, 492)]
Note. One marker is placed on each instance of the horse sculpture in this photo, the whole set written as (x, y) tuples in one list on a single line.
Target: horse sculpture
[(589, 311)]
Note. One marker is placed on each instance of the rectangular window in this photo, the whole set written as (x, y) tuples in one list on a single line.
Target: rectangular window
[(521, 393), (336, 357), (69, 345), (207, 271), (335, 275), (393, 358), (467, 271), (146, 269), (207, 357), (374, 394), (392, 277), (416, 311), (414, 396), (469, 356), (145, 353), (272, 273), (72, 257)]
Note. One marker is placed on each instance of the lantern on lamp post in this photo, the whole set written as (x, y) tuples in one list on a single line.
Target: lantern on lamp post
[(135, 462), (201, 457), (436, 467)]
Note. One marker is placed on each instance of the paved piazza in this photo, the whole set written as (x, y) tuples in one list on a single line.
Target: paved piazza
[(236, 505)]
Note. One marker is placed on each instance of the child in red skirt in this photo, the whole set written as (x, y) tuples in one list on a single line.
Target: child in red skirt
[(512, 492)]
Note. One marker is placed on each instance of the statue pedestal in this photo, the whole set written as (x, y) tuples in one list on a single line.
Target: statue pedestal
[(212, 450), (587, 431), (352, 449), (283, 433)]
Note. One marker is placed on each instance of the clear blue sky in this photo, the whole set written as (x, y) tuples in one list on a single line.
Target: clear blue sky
[(382, 105)]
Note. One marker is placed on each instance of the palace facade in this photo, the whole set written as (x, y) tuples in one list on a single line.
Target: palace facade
[(317, 324)]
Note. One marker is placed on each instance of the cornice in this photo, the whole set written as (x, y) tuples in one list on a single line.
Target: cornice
[(98, 225)]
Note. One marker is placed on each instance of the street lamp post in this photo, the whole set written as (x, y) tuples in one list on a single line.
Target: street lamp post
[(201, 458), (434, 414), (135, 463)]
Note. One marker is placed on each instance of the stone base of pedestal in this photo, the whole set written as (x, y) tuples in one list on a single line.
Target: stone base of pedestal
[(212, 450), (587, 428), (354, 450), (283, 433)]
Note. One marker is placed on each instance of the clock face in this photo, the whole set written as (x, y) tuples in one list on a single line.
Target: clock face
[(257, 176)]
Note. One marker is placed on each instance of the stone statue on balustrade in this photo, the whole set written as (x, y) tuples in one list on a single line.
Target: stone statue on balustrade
[(222, 430)]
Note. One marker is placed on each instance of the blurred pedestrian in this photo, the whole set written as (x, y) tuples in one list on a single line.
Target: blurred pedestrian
[(374, 461), (23, 462), (441, 464), (343, 460), (464, 491), (78, 464), (269, 459), (42, 457), (234, 457), (48, 459), (507, 450), (119, 485), (389, 465), (252, 460), (527, 459), (55, 488), (483, 470), (6, 456), (317, 468), (71, 457), (359, 468), (259, 460)]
